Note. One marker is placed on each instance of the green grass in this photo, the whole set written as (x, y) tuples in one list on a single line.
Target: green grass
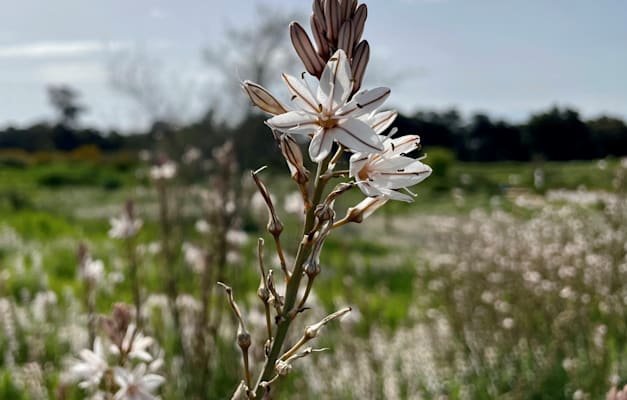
[(54, 206)]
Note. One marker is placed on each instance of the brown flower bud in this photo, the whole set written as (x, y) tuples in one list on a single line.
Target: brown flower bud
[(364, 209), (244, 341), (346, 9), (359, 64), (313, 330), (312, 61), (263, 99), (332, 19), (320, 38), (293, 155), (345, 39), (312, 268), (359, 21), (274, 226), (282, 368)]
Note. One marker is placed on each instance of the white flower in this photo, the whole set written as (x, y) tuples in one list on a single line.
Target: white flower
[(135, 345), (194, 256), (293, 203), (192, 154), (136, 384), (328, 115), (91, 366), (92, 270), (124, 227), (165, 171), (236, 237), (202, 226), (380, 175)]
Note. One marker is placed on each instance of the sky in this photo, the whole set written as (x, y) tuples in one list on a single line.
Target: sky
[(508, 58)]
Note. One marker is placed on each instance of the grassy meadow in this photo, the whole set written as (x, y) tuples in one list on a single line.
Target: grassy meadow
[(501, 280)]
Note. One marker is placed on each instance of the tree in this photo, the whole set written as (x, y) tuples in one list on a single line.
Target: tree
[(254, 53), (559, 135), (64, 99)]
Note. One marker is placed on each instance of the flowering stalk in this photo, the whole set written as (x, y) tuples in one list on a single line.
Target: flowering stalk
[(337, 115), (90, 272), (293, 285)]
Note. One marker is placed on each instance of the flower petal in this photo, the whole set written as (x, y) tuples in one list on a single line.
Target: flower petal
[(301, 95), (396, 195), (401, 145), (357, 136), (291, 120), (153, 381), (356, 163), (401, 173), (336, 82), (320, 145), (380, 121), (364, 102)]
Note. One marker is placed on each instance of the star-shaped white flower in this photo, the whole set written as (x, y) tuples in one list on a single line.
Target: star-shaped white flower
[(135, 345), (136, 384), (328, 115), (89, 369), (124, 227), (381, 175)]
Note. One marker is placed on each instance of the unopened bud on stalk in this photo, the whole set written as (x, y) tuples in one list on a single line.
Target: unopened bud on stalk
[(359, 21), (364, 209), (244, 341), (324, 212), (293, 155), (313, 330), (262, 292), (314, 64), (345, 39), (116, 326), (243, 336), (305, 353), (282, 368), (275, 226), (359, 63), (312, 268), (262, 98)]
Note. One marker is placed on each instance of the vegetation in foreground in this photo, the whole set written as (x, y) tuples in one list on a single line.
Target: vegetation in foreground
[(486, 287)]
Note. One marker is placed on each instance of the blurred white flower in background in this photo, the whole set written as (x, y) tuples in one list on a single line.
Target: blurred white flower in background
[(136, 384)]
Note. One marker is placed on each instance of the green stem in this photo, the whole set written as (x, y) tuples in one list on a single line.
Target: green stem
[(293, 285)]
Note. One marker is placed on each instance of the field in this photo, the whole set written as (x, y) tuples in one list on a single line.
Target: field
[(500, 281)]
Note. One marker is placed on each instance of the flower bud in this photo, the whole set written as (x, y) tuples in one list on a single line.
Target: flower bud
[(321, 40), (324, 212), (262, 98), (293, 155), (332, 19), (359, 21), (244, 341), (282, 368), (313, 330), (345, 39), (359, 64), (262, 292), (312, 61), (364, 209), (312, 268)]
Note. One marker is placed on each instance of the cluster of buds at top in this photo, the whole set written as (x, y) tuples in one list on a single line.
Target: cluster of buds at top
[(335, 24)]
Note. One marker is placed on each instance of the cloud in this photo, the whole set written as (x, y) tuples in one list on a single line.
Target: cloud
[(72, 72), (59, 49)]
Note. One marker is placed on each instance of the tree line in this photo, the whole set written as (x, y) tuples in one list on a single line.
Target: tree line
[(557, 134)]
